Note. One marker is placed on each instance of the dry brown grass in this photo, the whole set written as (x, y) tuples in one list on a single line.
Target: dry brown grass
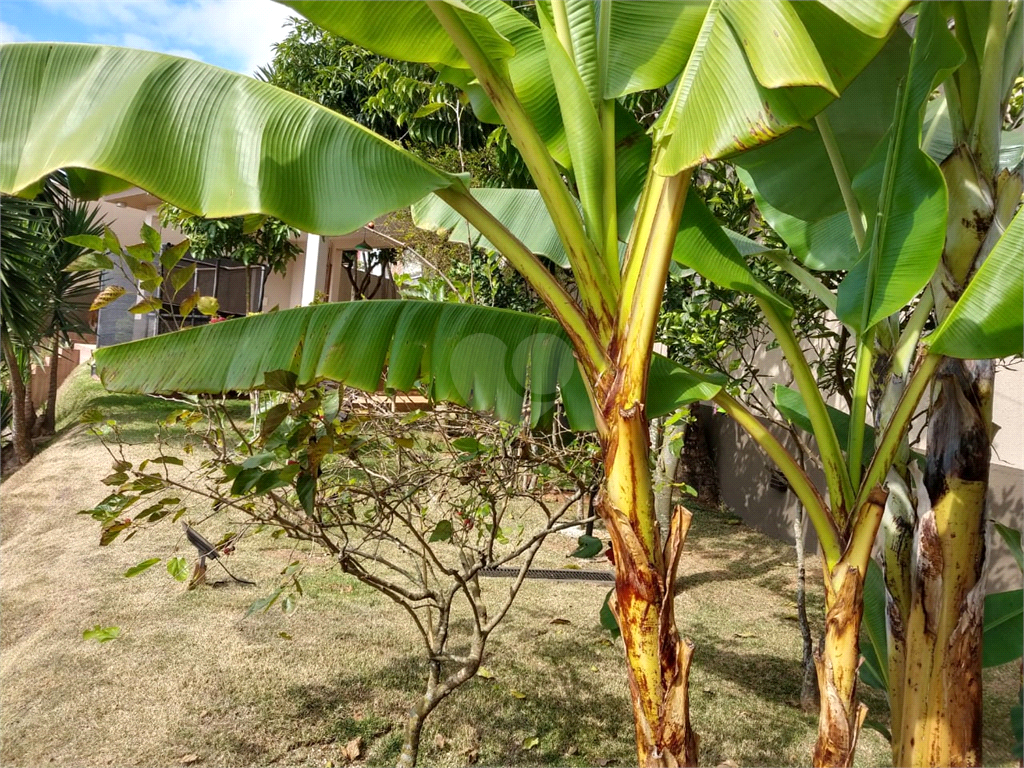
[(190, 676)]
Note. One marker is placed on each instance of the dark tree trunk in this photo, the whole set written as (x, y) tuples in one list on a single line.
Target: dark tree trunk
[(49, 425), (21, 431), (697, 461)]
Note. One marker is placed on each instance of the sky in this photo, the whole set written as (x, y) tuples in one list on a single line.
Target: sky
[(234, 34)]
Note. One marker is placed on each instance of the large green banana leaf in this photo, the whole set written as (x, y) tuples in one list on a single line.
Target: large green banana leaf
[(762, 68), (394, 29), (902, 191), (404, 29), (522, 211), (757, 69), (210, 141), (701, 243), (794, 174), (582, 129), (485, 358), (988, 320)]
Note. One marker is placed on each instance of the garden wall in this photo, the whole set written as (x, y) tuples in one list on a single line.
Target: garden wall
[(746, 487)]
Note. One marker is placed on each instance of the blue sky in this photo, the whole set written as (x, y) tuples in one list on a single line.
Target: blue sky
[(234, 34)]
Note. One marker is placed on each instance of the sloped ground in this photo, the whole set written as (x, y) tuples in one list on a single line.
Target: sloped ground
[(190, 680)]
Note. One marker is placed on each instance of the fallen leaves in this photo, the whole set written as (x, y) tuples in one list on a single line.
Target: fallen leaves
[(353, 749)]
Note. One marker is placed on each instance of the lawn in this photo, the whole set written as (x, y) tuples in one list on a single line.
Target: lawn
[(192, 680)]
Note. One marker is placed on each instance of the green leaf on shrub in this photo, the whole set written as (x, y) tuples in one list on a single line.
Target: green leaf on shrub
[(141, 254), (178, 568), (112, 531), (92, 242), (110, 240), (149, 304), (608, 618), (305, 487), (272, 420), (145, 565), (467, 444), (89, 261), (173, 255), (101, 634), (442, 531), (168, 460), (589, 546), (189, 304), (245, 480), (280, 381), (144, 270), (181, 277), (151, 237), (91, 416), (264, 603), (276, 478), (208, 305)]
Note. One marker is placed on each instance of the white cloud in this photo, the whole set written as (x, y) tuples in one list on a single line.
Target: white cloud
[(11, 34), (238, 34)]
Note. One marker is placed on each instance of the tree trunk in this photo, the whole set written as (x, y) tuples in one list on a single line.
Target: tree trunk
[(809, 700), (841, 715), (940, 723), (50, 415), (657, 659), (665, 469), (411, 741), (22, 437), (31, 421)]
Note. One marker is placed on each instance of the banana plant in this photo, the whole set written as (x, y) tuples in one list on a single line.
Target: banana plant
[(914, 192), (218, 144)]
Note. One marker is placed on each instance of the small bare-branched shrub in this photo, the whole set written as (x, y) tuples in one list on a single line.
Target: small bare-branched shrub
[(413, 504)]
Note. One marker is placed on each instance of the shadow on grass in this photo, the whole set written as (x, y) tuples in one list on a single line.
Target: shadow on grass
[(559, 707)]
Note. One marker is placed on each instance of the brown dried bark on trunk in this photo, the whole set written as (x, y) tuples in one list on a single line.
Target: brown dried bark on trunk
[(841, 715), (941, 719), (657, 658)]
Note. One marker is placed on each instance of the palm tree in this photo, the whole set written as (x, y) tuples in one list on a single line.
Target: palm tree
[(25, 242), (68, 293)]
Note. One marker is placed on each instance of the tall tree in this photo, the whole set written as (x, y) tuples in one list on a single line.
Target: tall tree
[(68, 293), (24, 244)]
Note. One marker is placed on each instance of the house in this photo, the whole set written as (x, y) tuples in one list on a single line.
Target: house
[(326, 269)]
